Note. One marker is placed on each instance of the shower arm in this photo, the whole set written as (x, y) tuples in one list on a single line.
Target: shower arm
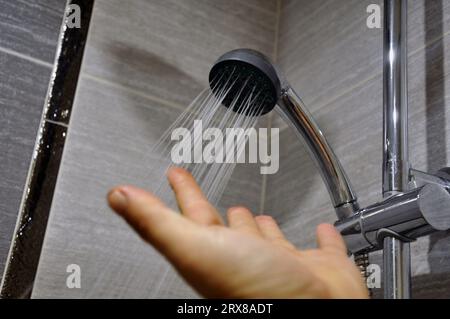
[(292, 109)]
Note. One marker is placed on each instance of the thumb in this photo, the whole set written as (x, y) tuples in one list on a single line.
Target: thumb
[(329, 239)]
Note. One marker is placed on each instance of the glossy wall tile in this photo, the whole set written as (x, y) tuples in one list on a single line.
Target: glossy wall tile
[(143, 64), (32, 212), (23, 86), (29, 33), (31, 27)]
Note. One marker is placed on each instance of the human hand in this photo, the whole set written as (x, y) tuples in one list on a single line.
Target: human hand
[(248, 259)]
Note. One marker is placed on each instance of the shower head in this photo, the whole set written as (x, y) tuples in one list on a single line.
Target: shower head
[(244, 71), (253, 72)]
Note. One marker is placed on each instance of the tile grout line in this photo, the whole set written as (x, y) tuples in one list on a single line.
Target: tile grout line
[(262, 199), (26, 57), (56, 123), (136, 92), (277, 31)]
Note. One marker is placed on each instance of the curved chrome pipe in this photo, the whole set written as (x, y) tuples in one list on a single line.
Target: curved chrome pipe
[(292, 109)]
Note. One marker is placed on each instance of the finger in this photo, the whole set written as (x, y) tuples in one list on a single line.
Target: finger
[(270, 230), (328, 238), (193, 204), (241, 219), (166, 230)]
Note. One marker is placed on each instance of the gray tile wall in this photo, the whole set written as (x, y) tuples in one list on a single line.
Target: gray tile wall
[(144, 62), (29, 33), (335, 63)]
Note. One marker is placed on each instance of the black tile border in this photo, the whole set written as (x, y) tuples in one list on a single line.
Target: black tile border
[(67, 65), (23, 260)]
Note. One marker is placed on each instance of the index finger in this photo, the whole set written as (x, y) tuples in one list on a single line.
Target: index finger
[(190, 198)]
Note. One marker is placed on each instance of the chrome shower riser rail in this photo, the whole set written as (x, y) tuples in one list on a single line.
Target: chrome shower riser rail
[(395, 141)]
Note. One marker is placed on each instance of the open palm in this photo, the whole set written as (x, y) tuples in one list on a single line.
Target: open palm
[(248, 259)]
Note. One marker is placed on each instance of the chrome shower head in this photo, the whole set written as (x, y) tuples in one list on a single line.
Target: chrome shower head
[(252, 71)]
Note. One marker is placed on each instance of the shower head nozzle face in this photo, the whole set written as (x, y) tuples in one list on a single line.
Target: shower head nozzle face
[(247, 73)]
